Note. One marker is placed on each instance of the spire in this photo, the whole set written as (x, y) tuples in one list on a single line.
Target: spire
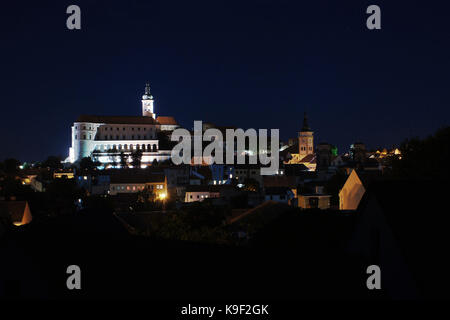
[(305, 123), (147, 95), (147, 88)]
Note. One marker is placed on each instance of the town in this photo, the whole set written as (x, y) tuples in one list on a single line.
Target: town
[(119, 191)]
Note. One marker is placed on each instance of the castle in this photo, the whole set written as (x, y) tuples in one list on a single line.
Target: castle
[(105, 137)]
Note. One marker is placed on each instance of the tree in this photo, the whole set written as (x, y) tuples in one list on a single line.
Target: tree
[(424, 157), (123, 160), (11, 165), (87, 164), (136, 157), (52, 162)]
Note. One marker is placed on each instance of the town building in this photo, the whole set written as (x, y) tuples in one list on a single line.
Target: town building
[(154, 184), (201, 192), (303, 151)]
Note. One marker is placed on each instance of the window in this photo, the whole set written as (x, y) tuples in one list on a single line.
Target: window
[(132, 129), (111, 137), (123, 137), (190, 196), (132, 137), (84, 136), (117, 137), (76, 137), (139, 136), (117, 128), (123, 128), (139, 129)]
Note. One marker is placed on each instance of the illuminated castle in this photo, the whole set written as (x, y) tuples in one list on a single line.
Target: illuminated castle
[(106, 137)]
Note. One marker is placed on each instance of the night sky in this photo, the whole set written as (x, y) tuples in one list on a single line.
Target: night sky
[(260, 64)]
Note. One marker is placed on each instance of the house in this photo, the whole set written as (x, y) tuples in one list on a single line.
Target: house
[(138, 182), (243, 172), (201, 192), (63, 174), (279, 194), (167, 123), (355, 187), (18, 211)]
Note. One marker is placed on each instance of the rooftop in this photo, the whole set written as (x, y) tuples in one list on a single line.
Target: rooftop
[(116, 119)]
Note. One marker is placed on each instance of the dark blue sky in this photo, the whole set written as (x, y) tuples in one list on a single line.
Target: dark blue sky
[(254, 64)]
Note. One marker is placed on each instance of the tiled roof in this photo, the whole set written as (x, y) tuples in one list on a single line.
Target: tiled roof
[(116, 119), (207, 188), (166, 120), (309, 158), (137, 178), (276, 190), (15, 209)]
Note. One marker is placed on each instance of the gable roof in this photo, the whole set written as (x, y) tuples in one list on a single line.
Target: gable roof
[(15, 209), (137, 178), (276, 190), (166, 120), (116, 119), (311, 158)]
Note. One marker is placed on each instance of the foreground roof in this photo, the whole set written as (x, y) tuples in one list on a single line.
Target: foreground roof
[(15, 209), (137, 178), (116, 119)]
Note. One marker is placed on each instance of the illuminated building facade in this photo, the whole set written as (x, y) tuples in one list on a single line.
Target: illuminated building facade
[(104, 138)]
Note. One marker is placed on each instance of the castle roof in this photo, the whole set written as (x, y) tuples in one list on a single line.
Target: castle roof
[(116, 119), (166, 120)]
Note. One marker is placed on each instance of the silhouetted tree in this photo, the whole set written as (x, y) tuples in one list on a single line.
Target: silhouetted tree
[(11, 165), (87, 164), (123, 160), (52, 162), (425, 158), (136, 157)]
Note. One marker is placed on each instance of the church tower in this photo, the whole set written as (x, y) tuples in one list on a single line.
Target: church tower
[(305, 139), (147, 103)]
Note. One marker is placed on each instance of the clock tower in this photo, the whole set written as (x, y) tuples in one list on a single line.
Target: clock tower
[(305, 139), (147, 103)]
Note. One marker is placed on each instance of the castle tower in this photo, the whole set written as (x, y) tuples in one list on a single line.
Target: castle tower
[(305, 139), (147, 103)]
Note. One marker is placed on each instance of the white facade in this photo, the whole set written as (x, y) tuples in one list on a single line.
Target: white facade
[(192, 196), (105, 137)]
